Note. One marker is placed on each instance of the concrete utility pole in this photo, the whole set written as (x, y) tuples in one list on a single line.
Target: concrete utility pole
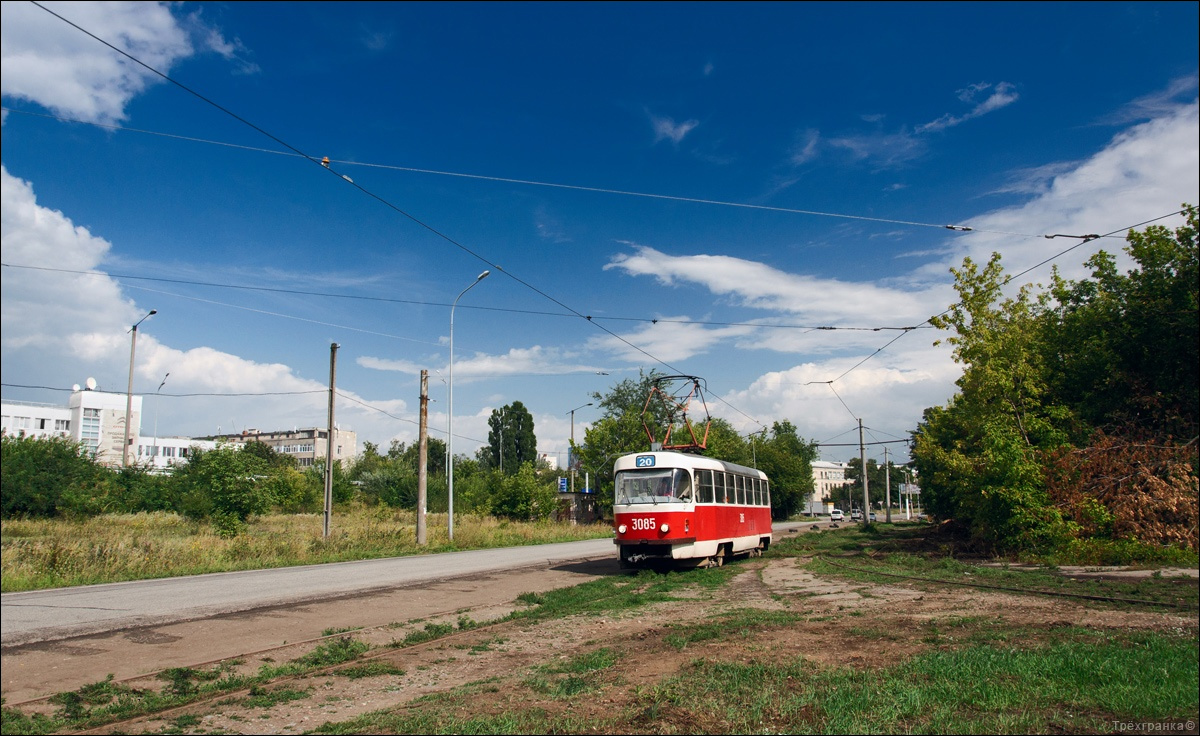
[(862, 459), (571, 452), (887, 482), (129, 392), (422, 458), (333, 348), (450, 434)]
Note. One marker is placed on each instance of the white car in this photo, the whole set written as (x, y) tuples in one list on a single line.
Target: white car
[(856, 515), (837, 515)]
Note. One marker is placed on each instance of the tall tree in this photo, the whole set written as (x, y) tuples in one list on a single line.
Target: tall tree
[(787, 460), (511, 440), (991, 434)]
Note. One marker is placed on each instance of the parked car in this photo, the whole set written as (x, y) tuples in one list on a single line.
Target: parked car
[(856, 515), (837, 515), (872, 516)]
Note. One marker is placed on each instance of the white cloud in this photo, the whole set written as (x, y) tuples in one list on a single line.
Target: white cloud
[(49, 62), (885, 149), (1156, 104), (1144, 172), (1003, 95), (58, 328), (757, 285), (806, 147), (895, 148), (667, 129), (671, 339), (535, 360)]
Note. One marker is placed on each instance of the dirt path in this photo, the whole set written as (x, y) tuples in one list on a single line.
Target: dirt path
[(39, 670), (851, 623)]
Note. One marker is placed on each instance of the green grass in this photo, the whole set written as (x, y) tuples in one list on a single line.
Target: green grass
[(39, 554), (971, 674), (106, 701), (370, 669), (740, 624), (573, 677), (260, 697), (883, 550), (1080, 682)]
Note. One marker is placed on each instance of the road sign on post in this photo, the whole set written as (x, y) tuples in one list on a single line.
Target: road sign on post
[(562, 485)]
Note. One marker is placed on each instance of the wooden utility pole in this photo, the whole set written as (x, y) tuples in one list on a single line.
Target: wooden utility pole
[(862, 459), (329, 439), (887, 482), (422, 458)]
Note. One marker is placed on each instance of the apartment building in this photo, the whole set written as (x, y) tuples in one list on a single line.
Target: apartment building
[(306, 445)]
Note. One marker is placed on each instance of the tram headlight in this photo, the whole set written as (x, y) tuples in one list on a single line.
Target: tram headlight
[(664, 528), (622, 529)]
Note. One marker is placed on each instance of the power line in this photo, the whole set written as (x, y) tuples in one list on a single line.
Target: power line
[(536, 183), (1083, 240), (414, 302), (325, 164)]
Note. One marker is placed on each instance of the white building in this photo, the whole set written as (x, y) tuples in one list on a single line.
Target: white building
[(306, 445), (828, 478), (97, 420)]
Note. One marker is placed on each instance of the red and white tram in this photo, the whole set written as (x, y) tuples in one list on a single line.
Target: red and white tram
[(672, 507)]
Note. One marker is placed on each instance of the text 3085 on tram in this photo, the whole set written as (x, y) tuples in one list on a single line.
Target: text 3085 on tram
[(672, 507)]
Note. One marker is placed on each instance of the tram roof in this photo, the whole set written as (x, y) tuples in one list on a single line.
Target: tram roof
[(684, 459)]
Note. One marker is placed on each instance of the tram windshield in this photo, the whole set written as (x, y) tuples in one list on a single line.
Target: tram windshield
[(665, 485)]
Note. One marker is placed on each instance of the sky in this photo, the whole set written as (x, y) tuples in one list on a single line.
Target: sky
[(754, 194)]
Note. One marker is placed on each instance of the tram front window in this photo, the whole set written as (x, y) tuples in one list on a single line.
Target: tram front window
[(653, 486)]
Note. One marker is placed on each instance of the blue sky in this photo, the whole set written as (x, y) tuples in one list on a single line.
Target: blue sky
[(708, 182)]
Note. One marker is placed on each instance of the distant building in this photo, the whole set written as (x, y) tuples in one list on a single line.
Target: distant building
[(306, 445), (828, 479), (96, 419)]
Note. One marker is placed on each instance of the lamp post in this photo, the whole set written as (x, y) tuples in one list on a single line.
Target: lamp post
[(571, 449), (450, 438), (154, 455), (129, 391)]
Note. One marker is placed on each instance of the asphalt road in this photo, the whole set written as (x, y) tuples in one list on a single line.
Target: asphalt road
[(47, 615)]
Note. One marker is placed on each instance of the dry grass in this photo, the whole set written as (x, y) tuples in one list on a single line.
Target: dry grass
[(55, 553)]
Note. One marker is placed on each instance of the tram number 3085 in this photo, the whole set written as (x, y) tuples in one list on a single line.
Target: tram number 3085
[(644, 524)]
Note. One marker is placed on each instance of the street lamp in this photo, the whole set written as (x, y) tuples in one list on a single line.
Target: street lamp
[(571, 450), (450, 438), (129, 392), (157, 392)]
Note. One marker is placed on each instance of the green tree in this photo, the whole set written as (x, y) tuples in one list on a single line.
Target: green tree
[(523, 495), (878, 476), (787, 460), (225, 485), (45, 477), (511, 440), (1122, 349), (1004, 415)]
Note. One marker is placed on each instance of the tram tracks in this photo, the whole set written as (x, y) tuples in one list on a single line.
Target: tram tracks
[(1026, 591), (158, 680)]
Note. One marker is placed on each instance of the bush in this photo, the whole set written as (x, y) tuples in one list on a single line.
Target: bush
[(224, 483), (46, 477), (523, 496)]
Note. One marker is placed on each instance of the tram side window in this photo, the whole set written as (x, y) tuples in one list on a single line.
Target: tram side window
[(766, 493), (704, 478), (758, 492), (683, 485), (753, 491), (740, 485)]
